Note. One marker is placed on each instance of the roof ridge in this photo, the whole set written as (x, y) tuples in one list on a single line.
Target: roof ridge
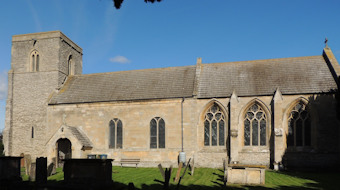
[(263, 60), (136, 70)]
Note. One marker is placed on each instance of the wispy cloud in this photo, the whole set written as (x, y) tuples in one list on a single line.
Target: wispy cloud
[(3, 85), (120, 59), (35, 16)]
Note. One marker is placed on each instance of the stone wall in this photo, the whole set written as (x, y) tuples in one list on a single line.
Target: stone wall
[(29, 92), (94, 119)]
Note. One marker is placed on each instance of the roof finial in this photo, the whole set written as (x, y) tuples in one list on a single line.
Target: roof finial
[(326, 44)]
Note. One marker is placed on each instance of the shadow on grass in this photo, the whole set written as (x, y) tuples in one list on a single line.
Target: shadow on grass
[(313, 180)]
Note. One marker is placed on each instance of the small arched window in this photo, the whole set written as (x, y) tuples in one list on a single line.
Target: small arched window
[(214, 126), (116, 133), (34, 61), (70, 65), (299, 126), (157, 133), (255, 126)]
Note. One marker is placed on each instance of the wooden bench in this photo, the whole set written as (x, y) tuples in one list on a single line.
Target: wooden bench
[(129, 161)]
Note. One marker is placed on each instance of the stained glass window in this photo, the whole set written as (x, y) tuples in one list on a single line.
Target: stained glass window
[(299, 126), (157, 133), (116, 133), (255, 126), (214, 127)]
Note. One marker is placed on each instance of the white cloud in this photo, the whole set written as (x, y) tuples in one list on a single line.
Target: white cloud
[(119, 59), (3, 85)]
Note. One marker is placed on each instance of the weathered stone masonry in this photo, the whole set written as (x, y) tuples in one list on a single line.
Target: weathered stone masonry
[(56, 103)]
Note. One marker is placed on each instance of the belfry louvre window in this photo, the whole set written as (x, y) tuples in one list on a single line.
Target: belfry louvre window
[(214, 126), (70, 65), (299, 126), (157, 133), (255, 126), (116, 133), (34, 61)]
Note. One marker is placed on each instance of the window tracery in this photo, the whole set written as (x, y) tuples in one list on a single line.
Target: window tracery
[(299, 126), (255, 126), (214, 126)]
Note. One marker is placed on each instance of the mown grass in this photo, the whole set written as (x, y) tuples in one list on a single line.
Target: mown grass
[(206, 178)]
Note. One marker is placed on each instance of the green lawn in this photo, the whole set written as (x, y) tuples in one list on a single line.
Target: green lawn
[(206, 178)]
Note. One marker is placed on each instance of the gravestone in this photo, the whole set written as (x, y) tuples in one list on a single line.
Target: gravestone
[(88, 171), (41, 170), (28, 163), (32, 172), (10, 168)]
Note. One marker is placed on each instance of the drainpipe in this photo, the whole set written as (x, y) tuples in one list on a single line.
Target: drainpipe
[(182, 153), (182, 121)]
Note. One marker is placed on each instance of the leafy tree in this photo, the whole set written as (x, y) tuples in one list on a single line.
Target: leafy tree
[(118, 3)]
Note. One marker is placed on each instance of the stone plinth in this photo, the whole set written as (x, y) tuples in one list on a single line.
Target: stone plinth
[(252, 175), (98, 171)]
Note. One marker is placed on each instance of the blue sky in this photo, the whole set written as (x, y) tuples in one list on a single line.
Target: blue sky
[(173, 32)]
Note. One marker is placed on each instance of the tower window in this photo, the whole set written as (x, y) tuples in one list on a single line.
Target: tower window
[(70, 66), (34, 61)]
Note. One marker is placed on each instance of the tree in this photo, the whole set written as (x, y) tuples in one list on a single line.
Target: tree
[(118, 3)]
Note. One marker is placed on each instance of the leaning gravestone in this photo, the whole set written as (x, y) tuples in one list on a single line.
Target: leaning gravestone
[(51, 169)]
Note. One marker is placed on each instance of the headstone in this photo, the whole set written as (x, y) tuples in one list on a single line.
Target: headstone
[(179, 181), (225, 175), (51, 169), (28, 163), (161, 170), (10, 169), (41, 170), (192, 166), (178, 171), (32, 172)]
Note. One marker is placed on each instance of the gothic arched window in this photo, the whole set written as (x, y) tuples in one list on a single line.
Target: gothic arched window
[(299, 126), (34, 61), (214, 126), (70, 66), (157, 133), (255, 126), (116, 133)]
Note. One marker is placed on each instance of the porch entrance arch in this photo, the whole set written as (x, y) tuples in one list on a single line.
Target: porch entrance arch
[(64, 150)]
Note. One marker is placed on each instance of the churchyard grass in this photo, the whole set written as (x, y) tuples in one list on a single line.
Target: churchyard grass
[(206, 178)]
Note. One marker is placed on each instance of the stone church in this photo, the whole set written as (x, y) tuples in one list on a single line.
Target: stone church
[(274, 112)]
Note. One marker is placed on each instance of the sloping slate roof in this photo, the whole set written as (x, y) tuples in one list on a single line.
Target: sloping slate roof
[(262, 77), (128, 85), (83, 139)]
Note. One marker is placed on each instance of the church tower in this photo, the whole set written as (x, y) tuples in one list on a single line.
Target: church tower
[(41, 62)]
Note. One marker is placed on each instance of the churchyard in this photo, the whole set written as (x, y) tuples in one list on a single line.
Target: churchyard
[(205, 178)]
